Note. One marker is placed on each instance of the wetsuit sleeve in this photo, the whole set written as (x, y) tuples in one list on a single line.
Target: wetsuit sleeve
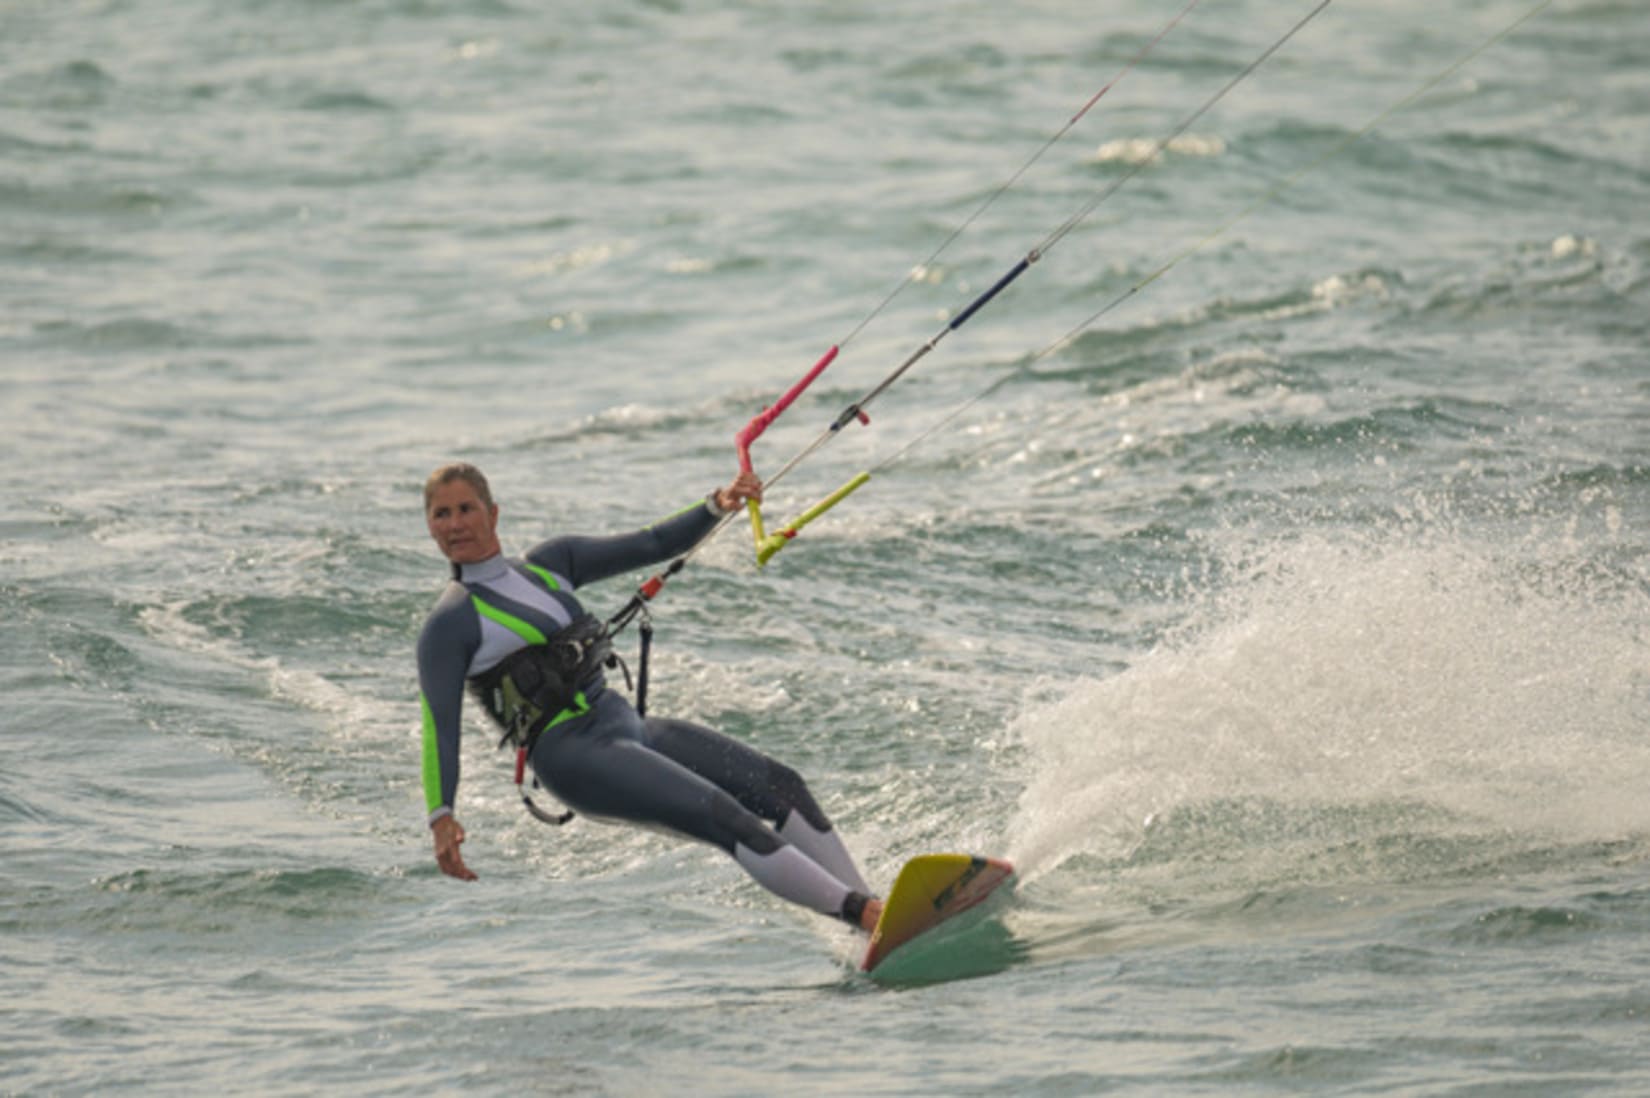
[(584, 560), (449, 640)]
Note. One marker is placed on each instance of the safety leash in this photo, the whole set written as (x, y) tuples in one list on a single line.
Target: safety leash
[(537, 812)]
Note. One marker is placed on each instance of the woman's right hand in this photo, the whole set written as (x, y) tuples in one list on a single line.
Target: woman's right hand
[(745, 486), (449, 834)]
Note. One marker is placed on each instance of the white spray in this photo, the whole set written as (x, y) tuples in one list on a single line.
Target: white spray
[(1509, 688)]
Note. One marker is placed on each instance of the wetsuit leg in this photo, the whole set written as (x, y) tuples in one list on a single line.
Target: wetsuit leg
[(761, 784), (601, 766)]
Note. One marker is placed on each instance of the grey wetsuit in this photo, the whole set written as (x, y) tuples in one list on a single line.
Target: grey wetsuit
[(605, 760)]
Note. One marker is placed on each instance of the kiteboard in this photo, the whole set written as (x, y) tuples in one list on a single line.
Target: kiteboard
[(930, 890)]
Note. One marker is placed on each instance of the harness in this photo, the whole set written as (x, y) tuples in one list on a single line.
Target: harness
[(539, 686)]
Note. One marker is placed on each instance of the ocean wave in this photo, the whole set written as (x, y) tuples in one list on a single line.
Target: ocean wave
[(1140, 150)]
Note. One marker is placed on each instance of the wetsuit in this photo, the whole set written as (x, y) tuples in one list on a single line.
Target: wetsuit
[(600, 757)]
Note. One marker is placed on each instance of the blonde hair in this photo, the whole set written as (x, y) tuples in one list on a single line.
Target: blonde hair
[(459, 470)]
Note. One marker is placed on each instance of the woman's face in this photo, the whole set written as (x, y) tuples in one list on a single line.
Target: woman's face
[(464, 527)]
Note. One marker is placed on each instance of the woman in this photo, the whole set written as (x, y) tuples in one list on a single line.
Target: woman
[(514, 632)]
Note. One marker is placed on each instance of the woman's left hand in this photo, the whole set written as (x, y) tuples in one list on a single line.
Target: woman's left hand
[(745, 486)]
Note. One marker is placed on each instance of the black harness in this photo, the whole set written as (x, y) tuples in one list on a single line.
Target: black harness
[(529, 689)]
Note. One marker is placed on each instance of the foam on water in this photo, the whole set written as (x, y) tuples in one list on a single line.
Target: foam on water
[(1139, 150)]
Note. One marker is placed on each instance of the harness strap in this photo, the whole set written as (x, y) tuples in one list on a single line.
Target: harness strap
[(578, 709), (537, 812)]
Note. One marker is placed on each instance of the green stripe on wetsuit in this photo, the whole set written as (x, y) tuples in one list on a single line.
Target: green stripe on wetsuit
[(432, 757)]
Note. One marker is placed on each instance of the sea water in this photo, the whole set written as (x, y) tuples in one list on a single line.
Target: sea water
[(1287, 626)]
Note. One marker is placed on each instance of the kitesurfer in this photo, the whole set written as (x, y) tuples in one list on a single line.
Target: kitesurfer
[(513, 630)]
